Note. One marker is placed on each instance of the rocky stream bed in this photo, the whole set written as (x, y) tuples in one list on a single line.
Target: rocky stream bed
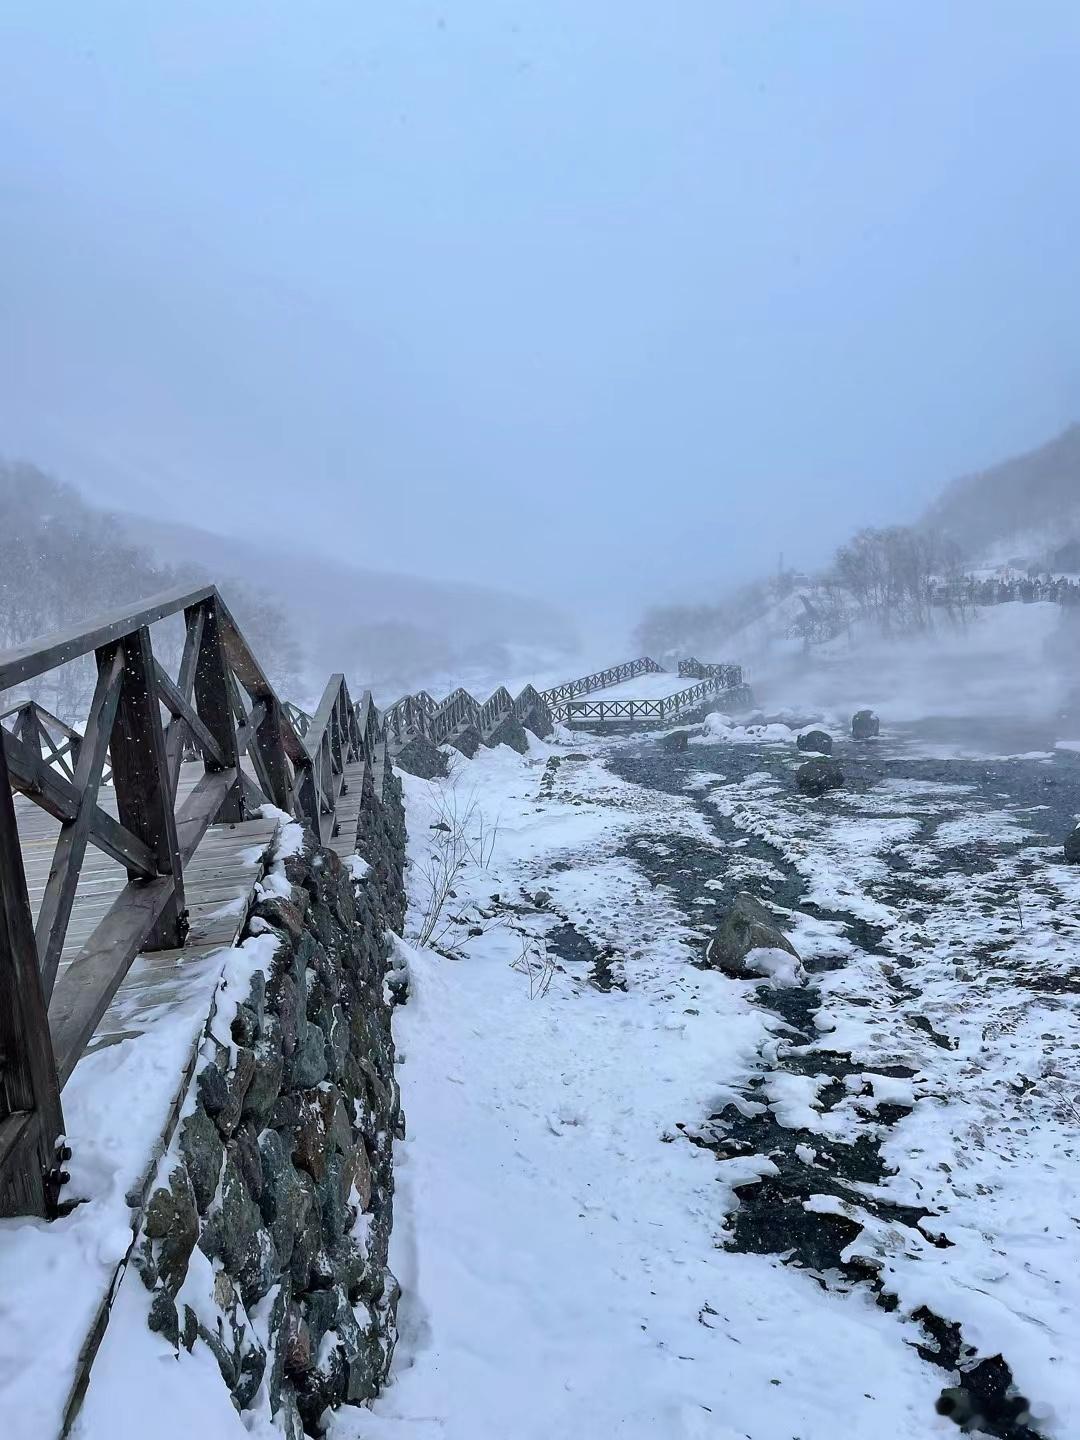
[(914, 1114)]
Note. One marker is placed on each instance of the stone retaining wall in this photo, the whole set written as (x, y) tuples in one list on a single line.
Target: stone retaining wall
[(265, 1238)]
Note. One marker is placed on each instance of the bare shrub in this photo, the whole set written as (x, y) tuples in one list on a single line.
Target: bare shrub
[(462, 837), (536, 964)]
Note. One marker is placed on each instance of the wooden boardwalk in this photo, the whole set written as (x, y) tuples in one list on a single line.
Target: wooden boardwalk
[(348, 809), (218, 883)]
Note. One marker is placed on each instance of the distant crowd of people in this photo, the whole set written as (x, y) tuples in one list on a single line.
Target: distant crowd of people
[(999, 590)]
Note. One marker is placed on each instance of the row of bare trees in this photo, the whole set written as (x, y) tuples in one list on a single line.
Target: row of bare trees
[(892, 574), (890, 577)]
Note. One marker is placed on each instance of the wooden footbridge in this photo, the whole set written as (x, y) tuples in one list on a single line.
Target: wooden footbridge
[(141, 836), (575, 702)]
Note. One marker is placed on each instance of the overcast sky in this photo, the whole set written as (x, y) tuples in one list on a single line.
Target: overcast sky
[(539, 291)]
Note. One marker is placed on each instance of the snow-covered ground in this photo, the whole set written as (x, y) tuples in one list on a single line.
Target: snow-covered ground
[(565, 1200), (654, 686)]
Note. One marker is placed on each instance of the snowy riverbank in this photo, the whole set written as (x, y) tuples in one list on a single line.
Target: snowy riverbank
[(562, 1242)]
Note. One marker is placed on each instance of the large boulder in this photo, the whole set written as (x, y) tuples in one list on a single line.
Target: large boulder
[(420, 757), (509, 732), (745, 929), (818, 776), (816, 741), (1072, 846), (467, 740), (538, 720), (865, 725)]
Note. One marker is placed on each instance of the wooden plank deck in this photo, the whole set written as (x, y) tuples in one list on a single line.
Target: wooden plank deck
[(348, 810), (218, 882)]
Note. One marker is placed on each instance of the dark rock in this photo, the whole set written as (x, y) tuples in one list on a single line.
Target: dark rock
[(865, 725), (308, 1065), (163, 1318), (282, 914), (538, 720), (818, 776), (333, 1194), (817, 741), (296, 1342), (746, 925), (509, 732), (213, 1089), (678, 740), (266, 1077), (172, 1220), (420, 757), (1072, 847), (467, 740), (250, 1375), (244, 1147), (283, 1198), (250, 1017), (234, 1235), (311, 1135), (204, 1155), (222, 1092)]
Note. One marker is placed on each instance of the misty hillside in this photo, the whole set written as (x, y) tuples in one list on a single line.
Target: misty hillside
[(1025, 510), (310, 614), (464, 614)]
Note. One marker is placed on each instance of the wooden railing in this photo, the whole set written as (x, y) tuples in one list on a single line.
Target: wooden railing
[(55, 740), (670, 707), (556, 697), (301, 720), (731, 676), (221, 708), (440, 721)]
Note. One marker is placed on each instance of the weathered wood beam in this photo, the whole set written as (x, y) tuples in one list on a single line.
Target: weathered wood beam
[(213, 699), (32, 776), (251, 675), (180, 709), (29, 1086), (269, 757), (141, 780), (245, 733), (59, 896), (201, 808), (178, 733), (86, 987)]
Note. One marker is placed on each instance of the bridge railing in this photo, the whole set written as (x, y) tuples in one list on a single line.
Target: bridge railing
[(458, 709), (669, 707), (731, 676), (220, 707), (411, 715), (556, 697), (495, 708), (56, 741)]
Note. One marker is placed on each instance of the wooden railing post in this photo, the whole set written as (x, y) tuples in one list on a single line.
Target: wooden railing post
[(214, 704), (30, 1114), (141, 780), (271, 750)]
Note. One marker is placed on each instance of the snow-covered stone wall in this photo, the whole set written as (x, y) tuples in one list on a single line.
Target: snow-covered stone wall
[(265, 1239)]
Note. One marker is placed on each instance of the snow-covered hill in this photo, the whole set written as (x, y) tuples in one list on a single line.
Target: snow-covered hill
[(1024, 512)]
